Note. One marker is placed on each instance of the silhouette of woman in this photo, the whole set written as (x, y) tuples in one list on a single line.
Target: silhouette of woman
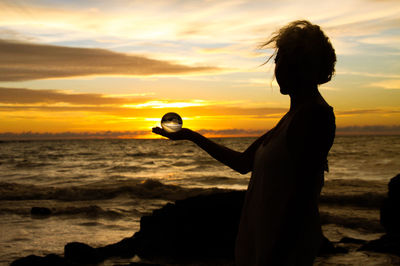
[(280, 222)]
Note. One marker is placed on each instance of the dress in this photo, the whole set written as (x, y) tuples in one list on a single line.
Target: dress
[(280, 220)]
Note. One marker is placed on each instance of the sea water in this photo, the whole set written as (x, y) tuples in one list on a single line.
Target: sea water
[(97, 190)]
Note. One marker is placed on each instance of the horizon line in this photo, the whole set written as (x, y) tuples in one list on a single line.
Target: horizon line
[(376, 130)]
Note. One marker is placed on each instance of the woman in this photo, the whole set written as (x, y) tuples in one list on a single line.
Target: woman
[(280, 222)]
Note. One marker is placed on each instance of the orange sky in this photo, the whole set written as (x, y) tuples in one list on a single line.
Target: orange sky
[(85, 70)]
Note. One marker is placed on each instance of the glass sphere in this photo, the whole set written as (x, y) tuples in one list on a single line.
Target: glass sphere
[(171, 122)]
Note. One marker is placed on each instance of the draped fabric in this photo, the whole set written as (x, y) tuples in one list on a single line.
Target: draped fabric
[(280, 220)]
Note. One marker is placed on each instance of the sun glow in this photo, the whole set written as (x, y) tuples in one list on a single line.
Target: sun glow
[(166, 104), (115, 67)]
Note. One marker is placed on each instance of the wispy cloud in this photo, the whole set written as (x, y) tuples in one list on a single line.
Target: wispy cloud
[(373, 129), (21, 101), (27, 61), (72, 135), (368, 74), (367, 111), (199, 112), (29, 96), (390, 84)]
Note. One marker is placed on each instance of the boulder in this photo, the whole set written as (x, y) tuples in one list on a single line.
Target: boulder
[(390, 210), (40, 211), (203, 227), (386, 244), (82, 253), (49, 260), (390, 220)]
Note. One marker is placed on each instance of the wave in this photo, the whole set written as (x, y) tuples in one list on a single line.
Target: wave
[(183, 163), (220, 180), (27, 164), (126, 168), (144, 154), (356, 192), (146, 189), (353, 222), (368, 200), (366, 194), (92, 211)]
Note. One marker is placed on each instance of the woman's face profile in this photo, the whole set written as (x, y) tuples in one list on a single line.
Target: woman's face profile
[(292, 75), (282, 74)]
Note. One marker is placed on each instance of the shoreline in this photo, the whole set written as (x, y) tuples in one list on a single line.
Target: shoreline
[(333, 216)]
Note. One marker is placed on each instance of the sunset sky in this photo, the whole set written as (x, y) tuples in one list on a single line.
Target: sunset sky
[(113, 68)]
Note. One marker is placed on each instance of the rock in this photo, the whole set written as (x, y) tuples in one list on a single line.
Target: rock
[(328, 248), (40, 211), (82, 253), (394, 189), (49, 260), (352, 240), (390, 220), (29, 260), (390, 210), (143, 264), (200, 227), (124, 248), (385, 244)]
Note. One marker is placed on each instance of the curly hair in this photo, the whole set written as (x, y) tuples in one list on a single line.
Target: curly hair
[(306, 47)]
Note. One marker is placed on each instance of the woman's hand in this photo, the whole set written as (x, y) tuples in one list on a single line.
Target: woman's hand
[(183, 134)]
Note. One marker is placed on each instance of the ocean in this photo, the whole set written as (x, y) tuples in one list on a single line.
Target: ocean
[(97, 190)]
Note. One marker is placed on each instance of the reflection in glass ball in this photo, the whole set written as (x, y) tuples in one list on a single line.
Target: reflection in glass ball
[(171, 122)]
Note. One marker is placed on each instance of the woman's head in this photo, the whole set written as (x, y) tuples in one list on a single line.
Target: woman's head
[(304, 56)]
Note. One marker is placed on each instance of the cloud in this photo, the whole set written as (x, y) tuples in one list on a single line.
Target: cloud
[(72, 135), (127, 25), (13, 35), (373, 129), (367, 74), (393, 84), (28, 96), (209, 111), (22, 99), (26, 61), (366, 111)]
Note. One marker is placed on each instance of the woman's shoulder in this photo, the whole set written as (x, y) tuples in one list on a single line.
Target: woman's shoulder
[(316, 113), (317, 106)]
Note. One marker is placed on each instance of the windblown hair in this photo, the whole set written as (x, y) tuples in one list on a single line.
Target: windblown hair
[(307, 49)]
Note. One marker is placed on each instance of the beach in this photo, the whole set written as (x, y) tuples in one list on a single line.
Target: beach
[(97, 190)]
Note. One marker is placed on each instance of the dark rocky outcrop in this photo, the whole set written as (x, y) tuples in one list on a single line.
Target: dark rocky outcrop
[(390, 220), (82, 253), (197, 227), (390, 210), (201, 228), (40, 211), (49, 260), (386, 244), (352, 240)]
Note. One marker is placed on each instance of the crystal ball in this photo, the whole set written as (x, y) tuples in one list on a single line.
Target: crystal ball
[(171, 122)]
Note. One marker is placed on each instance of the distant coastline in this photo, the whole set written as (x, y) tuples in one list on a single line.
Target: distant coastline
[(375, 130)]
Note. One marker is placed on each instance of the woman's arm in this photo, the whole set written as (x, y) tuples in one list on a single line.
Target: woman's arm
[(238, 161)]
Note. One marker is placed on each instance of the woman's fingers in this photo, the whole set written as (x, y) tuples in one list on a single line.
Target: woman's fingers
[(157, 130), (162, 132), (179, 135)]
